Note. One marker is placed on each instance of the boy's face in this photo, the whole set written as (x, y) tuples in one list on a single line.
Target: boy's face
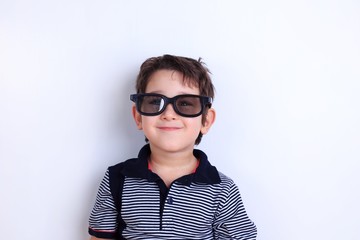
[(169, 131)]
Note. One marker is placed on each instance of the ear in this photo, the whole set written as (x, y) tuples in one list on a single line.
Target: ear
[(209, 121), (137, 117)]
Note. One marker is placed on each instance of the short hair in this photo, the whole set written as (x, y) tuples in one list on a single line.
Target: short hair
[(195, 74)]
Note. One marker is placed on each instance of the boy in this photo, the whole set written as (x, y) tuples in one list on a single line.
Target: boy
[(170, 191)]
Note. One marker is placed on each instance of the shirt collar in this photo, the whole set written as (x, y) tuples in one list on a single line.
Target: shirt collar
[(205, 172)]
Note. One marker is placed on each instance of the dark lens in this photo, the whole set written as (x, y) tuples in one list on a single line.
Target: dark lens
[(189, 105), (151, 104)]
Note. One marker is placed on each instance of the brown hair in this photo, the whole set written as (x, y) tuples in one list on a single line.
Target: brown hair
[(194, 72)]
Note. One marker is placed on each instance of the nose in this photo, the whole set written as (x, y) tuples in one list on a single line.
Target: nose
[(169, 113)]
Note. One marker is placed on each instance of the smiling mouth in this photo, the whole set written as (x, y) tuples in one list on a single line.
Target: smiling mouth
[(169, 128)]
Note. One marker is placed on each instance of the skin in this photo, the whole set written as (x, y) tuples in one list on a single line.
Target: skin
[(171, 137)]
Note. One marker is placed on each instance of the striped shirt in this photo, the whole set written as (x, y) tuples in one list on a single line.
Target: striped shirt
[(203, 205)]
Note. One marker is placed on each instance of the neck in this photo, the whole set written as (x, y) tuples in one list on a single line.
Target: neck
[(171, 160), (172, 165)]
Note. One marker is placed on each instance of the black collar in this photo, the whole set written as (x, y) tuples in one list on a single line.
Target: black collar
[(138, 168)]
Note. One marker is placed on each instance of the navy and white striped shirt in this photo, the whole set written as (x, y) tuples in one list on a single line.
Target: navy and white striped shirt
[(203, 205)]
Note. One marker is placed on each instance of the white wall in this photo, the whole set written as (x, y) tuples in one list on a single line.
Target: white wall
[(287, 75)]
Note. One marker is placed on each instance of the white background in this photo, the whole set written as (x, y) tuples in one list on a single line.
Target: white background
[(287, 75)]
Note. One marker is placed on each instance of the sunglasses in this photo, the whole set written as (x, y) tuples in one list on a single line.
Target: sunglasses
[(186, 105)]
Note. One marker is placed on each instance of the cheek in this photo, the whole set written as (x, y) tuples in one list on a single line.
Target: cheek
[(195, 124), (147, 121)]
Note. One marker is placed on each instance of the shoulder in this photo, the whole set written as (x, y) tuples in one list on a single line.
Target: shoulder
[(227, 184), (225, 179), (120, 166), (134, 167), (120, 170)]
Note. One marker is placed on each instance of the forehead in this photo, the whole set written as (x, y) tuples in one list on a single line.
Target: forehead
[(162, 81)]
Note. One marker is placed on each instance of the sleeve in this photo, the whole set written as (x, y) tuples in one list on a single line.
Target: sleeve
[(231, 220), (103, 217)]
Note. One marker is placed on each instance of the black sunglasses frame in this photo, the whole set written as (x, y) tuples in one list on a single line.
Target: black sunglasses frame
[(205, 102)]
